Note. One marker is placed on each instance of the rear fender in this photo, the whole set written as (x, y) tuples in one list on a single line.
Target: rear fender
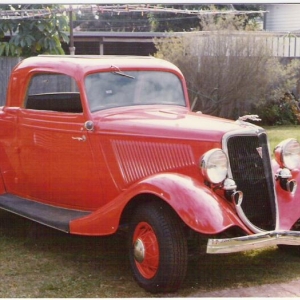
[(197, 206)]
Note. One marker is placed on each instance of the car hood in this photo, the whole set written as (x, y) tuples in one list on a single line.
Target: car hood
[(167, 122)]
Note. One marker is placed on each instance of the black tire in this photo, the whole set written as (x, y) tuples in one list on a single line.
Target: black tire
[(157, 248)]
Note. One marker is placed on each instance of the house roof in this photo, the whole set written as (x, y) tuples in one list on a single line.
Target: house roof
[(110, 36)]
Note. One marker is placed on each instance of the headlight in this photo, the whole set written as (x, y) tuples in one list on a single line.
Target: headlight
[(214, 166), (287, 154)]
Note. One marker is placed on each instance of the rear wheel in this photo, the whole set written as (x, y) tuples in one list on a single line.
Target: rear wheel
[(157, 248)]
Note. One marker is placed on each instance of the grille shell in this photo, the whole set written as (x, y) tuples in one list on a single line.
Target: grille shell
[(250, 167)]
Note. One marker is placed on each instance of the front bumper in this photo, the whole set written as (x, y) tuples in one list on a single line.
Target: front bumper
[(254, 241)]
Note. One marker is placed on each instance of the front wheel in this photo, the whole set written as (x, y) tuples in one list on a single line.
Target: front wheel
[(157, 248)]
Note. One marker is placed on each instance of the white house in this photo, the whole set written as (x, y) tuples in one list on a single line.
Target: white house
[(282, 17)]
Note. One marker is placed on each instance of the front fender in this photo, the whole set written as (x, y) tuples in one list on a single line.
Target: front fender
[(288, 203), (197, 206)]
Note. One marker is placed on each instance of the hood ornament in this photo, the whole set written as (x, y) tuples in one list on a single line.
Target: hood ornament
[(259, 150), (249, 117)]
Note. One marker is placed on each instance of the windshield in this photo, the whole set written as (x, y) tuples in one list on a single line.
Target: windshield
[(113, 89)]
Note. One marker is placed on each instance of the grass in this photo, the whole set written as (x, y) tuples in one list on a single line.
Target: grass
[(278, 133), (38, 262)]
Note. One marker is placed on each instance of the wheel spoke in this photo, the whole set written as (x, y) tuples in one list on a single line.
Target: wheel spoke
[(148, 266)]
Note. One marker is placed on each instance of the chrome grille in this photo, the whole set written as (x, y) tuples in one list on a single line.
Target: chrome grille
[(251, 169)]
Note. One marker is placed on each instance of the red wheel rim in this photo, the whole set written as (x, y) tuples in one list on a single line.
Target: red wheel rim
[(146, 250)]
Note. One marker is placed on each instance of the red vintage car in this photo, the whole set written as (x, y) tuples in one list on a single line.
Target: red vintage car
[(93, 145)]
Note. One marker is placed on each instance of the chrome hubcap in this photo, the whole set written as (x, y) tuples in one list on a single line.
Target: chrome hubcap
[(139, 250)]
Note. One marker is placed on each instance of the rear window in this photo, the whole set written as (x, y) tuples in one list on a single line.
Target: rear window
[(53, 92)]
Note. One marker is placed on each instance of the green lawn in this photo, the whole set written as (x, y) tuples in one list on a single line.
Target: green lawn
[(278, 133), (38, 262)]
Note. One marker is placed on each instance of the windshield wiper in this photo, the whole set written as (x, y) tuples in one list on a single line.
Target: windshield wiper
[(119, 72)]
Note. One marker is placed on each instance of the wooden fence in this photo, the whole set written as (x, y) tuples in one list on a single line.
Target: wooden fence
[(283, 45), (6, 66), (279, 44)]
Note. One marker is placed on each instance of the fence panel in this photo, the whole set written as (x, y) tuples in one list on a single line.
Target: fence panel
[(281, 45), (6, 66)]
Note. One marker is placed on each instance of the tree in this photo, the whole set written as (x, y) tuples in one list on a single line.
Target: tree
[(87, 20), (231, 21), (32, 35), (158, 18), (111, 20), (171, 22)]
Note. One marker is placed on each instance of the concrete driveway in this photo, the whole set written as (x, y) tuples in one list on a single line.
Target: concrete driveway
[(288, 289)]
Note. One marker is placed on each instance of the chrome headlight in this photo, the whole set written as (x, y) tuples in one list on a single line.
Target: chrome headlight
[(214, 165), (287, 154)]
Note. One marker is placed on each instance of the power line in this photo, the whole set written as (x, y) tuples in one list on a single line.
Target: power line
[(24, 14), (146, 8), (114, 9)]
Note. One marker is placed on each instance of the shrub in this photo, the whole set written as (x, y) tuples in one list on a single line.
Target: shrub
[(283, 112), (230, 74)]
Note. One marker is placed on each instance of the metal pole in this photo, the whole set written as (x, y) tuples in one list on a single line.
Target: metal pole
[(101, 46), (71, 48)]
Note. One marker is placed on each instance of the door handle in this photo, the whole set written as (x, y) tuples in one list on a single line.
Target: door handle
[(79, 138)]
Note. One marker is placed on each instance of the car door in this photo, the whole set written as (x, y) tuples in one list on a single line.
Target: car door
[(57, 161)]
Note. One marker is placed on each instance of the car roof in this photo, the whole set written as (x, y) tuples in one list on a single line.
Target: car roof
[(83, 64)]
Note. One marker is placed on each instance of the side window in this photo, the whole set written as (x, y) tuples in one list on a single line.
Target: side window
[(53, 92)]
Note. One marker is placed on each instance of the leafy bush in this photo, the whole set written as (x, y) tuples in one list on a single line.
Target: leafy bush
[(283, 112), (41, 34)]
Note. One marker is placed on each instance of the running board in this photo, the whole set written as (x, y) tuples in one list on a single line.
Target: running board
[(55, 217)]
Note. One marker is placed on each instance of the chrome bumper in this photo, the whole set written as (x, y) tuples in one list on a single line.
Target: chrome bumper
[(254, 241)]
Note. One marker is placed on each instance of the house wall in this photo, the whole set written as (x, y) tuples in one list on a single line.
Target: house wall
[(282, 17)]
